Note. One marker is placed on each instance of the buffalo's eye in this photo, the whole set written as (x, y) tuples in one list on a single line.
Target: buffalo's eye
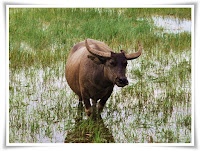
[(112, 63)]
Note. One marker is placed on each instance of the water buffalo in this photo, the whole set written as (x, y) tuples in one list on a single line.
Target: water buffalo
[(92, 70)]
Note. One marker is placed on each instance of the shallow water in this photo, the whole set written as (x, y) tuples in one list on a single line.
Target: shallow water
[(43, 99), (154, 107), (172, 25)]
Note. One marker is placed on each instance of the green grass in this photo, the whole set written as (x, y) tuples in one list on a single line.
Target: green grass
[(50, 33), (154, 108), (91, 130)]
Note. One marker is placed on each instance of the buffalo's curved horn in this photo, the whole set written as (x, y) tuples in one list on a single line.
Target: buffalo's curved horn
[(96, 52), (134, 55)]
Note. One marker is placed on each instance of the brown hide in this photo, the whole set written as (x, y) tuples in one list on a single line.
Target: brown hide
[(93, 77), (82, 74)]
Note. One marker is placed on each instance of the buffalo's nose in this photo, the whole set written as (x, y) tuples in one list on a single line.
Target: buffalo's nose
[(123, 80)]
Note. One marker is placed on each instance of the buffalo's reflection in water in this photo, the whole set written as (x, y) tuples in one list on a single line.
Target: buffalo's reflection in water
[(90, 130)]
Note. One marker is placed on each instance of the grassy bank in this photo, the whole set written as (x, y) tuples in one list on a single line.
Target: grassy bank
[(154, 108)]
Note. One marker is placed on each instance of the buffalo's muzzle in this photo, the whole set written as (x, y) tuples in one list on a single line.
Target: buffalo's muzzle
[(121, 82)]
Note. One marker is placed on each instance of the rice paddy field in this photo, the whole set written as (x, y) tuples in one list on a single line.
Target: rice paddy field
[(154, 108)]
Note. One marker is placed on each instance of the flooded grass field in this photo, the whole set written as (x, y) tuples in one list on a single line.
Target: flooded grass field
[(154, 108)]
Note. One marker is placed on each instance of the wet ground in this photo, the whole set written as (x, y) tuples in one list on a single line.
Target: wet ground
[(154, 108)]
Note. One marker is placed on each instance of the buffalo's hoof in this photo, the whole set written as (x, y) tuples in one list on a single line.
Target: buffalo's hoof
[(89, 111), (100, 107)]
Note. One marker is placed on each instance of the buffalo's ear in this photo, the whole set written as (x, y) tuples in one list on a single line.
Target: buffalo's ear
[(97, 60)]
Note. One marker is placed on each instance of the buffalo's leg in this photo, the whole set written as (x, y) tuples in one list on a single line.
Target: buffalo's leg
[(94, 108), (80, 99), (86, 100), (94, 103), (88, 108), (80, 103), (80, 111), (102, 102)]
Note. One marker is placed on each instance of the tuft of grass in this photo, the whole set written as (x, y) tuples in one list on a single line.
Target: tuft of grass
[(89, 131)]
